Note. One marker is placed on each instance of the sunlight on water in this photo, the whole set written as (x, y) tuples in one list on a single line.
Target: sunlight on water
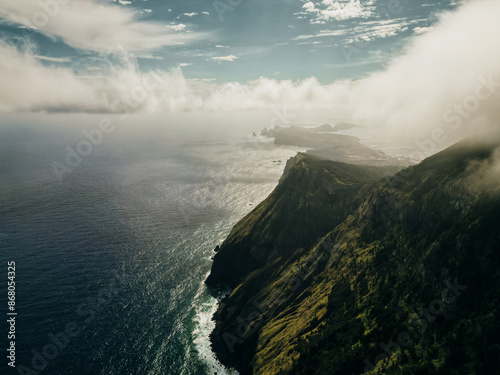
[(153, 204)]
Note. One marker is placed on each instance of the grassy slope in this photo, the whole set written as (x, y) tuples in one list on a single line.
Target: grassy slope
[(325, 308), (313, 196), (399, 249)]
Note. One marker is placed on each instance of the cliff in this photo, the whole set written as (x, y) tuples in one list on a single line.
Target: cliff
[(341, 271), (312, 196)]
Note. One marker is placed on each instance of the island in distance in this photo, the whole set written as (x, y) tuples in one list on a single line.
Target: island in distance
[(326, 142)]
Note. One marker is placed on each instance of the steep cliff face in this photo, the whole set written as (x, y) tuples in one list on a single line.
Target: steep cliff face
[(404, 278), (413, 281), (313, 196)]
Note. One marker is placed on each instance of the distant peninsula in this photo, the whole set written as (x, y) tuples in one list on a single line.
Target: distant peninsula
[(325, 141)]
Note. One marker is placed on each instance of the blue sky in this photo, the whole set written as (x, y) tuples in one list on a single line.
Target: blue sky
[(280, 39)]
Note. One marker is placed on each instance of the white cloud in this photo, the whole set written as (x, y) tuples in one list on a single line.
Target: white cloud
[(383, 31), (322, 33), (177, 27), (328, 10), (269, 93), (147, 10), (225, 58), (53, 59), (441, 69), (205, 13), (35, 87), (365, 31), (309, 7), (90, 25), (421, 30), (27, 85), (148, 56), (190, 14)]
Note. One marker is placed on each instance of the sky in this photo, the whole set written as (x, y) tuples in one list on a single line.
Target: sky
[(222, 40), (406, 67)]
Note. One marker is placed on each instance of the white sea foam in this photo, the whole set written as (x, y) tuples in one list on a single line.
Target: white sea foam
[(207, 306)]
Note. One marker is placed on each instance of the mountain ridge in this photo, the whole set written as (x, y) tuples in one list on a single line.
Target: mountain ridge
[(352, 284)]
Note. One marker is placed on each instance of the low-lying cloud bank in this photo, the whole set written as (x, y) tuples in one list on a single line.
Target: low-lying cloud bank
[(121, 87), (449, 78), (450, 75)]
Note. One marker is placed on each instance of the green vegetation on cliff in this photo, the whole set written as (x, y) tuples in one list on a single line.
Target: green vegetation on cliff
[(341, 272)]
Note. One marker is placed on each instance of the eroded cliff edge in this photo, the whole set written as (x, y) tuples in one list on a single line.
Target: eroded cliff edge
[(337, 259)]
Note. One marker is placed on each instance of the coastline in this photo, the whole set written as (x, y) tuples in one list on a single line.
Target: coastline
[(205, 311)]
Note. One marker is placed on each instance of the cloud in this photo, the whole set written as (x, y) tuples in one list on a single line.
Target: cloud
[(421, 30), (121, 87), (448, 80), (225, 58), (329, 10), (271, 93), (177, 27), (148, 57), (53, 59), (117, 87), (483, 175), (365, 31), (89, 25), (27, 85), (189, 14)]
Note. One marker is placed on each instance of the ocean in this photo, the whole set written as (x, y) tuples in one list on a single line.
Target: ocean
[(112, 245)]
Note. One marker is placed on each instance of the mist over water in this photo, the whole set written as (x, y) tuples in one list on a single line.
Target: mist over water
[(122, 244)]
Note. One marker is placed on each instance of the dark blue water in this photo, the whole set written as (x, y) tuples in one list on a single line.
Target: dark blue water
[(110, 261)]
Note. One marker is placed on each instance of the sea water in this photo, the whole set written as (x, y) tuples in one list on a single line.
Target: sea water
[(111, 254)]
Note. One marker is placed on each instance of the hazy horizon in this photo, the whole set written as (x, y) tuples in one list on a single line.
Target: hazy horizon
[(427, 82)]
